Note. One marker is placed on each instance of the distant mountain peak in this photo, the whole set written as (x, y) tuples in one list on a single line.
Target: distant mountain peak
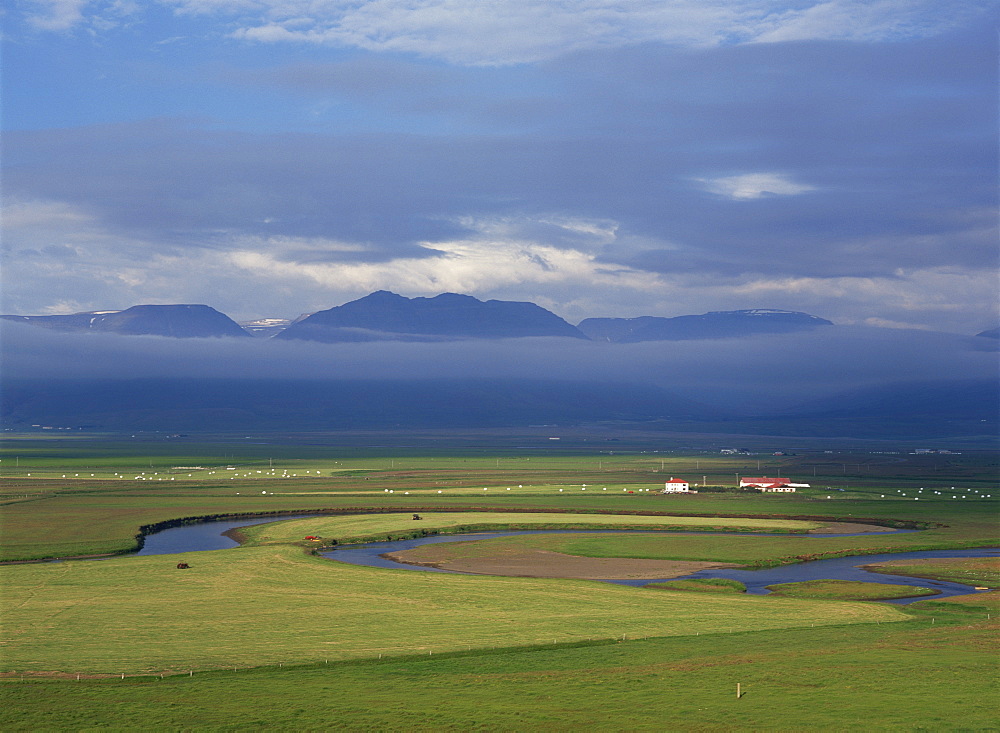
[(757, 312), (382, 295), (386, 316), (178, 321), (711, 325)]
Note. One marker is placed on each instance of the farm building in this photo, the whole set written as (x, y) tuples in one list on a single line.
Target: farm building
[(676, 486), (765, 483)]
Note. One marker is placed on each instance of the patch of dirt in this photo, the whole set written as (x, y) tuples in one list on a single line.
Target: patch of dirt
[(548, 564), (849, 528)]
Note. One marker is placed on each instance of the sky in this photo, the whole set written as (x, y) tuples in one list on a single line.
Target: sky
[(600, 158)]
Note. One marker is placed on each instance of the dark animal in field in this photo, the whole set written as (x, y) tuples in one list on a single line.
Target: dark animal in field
[(417, 516), (182, 566)]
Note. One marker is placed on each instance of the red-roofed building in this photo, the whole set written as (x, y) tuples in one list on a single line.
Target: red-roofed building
[(765, 483)]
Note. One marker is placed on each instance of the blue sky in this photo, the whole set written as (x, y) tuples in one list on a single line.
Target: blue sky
[(275, 157)]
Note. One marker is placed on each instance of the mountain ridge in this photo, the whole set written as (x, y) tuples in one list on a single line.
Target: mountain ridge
[(714, 324), (176, 321), (383, 315)]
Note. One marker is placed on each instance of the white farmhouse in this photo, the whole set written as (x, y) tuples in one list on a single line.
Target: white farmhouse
[(676, 486)]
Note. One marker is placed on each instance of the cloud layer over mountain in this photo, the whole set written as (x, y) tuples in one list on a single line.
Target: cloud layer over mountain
[(762, 374)]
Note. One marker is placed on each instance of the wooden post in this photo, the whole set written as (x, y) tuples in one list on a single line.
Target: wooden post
[(739, 692)]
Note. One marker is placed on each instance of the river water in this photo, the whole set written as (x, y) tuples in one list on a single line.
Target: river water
[(203, 536), (209, 536), (841, 568)]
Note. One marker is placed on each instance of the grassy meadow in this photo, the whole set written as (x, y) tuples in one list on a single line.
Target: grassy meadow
[(44, 515), (984, 571), (700, 585), (750, 552), (920, 675), (265, 605), (373, 527), (269, 636), (847, 590)]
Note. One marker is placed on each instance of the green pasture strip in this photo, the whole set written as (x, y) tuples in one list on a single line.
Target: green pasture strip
[(703, 585), (499, 458), (974, 604), (848, 590), (913, 676), (107, 517), (749, 552), (263, 605), (373, 527), (93, 513), (969, 570)]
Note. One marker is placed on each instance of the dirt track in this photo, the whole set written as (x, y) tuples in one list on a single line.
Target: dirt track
[(849, 528)]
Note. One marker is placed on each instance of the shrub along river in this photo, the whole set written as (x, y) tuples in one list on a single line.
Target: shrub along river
[(209, 536)]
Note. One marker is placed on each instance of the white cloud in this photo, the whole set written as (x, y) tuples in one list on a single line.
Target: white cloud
[(498, 32), (59, 258), (57, 15), (940, 297), (499, 254), (66, 15), (857, 20), (754, 186)]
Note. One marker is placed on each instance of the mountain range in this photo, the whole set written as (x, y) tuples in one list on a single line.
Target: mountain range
[(385, 316), (385, 361)]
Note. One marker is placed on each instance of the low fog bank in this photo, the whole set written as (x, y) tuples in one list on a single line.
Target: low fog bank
[(760, 374)]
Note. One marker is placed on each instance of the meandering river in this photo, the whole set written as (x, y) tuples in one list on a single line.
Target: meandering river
[(209, 536)]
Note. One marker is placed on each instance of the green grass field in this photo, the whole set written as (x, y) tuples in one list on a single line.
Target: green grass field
[(913, 676), (44, 515), (847, 590), (280, 639), (700, 585), (984, 571), (742, 550), (267, 605), (382, 526)]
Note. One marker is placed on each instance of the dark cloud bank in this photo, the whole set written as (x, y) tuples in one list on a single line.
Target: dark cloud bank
[(844, 381)]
